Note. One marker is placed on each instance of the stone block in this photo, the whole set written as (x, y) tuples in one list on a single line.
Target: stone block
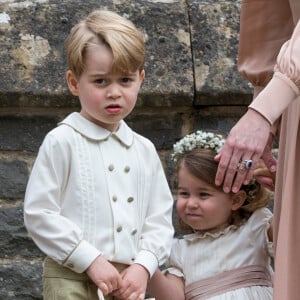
[(219, 118), (24, 133), (214, 29), (161, 128), (13, 179), (32, 57), (14, 239), (21, 281)]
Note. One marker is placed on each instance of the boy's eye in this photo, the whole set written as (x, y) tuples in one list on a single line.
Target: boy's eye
[(100, 81), (126, 79)]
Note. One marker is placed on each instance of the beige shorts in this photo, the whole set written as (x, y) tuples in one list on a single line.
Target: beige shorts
[(61, 283)]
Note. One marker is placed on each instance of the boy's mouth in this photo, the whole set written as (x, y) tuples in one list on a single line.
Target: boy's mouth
[(113, 109)]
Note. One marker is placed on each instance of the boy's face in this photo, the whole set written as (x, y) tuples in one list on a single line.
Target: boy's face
[(105, 97)]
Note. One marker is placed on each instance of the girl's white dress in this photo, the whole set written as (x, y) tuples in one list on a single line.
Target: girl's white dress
[(199, 256)]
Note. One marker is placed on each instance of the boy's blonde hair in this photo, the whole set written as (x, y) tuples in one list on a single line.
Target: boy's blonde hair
[(106, 27)]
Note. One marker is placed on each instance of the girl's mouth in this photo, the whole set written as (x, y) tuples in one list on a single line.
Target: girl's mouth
[(191, 215)]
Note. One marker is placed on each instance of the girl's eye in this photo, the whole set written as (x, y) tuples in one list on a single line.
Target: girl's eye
[(183, 194), (204, 195)]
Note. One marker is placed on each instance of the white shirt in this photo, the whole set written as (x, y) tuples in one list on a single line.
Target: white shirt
[(94, 192)]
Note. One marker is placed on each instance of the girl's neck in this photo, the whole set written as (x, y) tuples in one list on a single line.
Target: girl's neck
[(218, 228)]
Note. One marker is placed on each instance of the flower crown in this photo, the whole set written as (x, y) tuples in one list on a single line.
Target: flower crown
[(198, 139)]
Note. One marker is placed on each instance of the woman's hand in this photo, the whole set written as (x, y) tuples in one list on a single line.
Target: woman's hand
[(249, 139)]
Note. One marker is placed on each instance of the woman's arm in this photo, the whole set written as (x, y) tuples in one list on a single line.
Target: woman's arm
[(248, 138), (166, 286)]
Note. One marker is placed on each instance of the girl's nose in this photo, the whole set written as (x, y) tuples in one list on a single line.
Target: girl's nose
[(193, 202)]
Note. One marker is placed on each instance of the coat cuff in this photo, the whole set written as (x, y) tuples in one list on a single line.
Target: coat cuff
[(275, 97), (148, 260), (82, 257)]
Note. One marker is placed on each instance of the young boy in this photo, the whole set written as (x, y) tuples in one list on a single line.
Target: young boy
[(97, 201)]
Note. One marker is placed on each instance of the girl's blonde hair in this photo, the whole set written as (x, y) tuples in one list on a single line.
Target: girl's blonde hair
[(201, 164), (106, 27)]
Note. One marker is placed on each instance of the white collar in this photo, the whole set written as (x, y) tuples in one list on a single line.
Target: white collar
[(97, 133)]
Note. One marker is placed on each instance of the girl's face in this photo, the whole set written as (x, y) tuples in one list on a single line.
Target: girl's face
[(200, 205), (105, 97)]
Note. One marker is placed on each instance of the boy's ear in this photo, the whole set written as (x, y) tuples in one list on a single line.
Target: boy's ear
[(142, 75), (72, 83), (238, 199)]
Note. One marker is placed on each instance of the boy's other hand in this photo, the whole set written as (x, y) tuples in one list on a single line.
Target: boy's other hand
[(135, 279), (104, 275)]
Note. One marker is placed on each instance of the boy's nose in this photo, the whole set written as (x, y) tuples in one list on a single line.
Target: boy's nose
[(113, 91)]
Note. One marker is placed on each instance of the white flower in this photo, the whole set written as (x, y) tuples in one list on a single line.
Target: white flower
[(198, 139)]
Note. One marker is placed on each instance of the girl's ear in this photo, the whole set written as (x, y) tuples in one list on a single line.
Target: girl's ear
[(72, 83), (238, 199)]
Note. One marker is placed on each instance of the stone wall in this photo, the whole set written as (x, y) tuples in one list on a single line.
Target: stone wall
[(191, 83)]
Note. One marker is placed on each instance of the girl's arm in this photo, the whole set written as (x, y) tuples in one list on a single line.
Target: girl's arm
[(166, 287)]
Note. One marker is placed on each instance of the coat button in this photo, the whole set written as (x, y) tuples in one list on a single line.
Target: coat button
[(134, 231), (119, 229), (126, 169), (114, 198), (130, 199), (111, 168)]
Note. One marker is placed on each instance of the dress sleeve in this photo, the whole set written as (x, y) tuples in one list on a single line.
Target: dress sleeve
[(259, 223), (285, 83), (174, 264)]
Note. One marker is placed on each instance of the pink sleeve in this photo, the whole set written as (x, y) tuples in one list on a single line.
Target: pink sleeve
[(285, 83), (288, 60), (264, 27)]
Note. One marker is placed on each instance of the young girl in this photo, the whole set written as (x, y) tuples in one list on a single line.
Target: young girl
[(227, 247), (97, 202)]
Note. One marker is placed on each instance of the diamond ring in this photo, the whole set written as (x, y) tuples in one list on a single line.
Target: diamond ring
[(247, 164)]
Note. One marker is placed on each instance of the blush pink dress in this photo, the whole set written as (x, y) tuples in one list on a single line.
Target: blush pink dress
[(270, 41)]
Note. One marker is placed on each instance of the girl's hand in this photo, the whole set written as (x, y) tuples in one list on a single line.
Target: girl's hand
[(135, 279), (264, 176)]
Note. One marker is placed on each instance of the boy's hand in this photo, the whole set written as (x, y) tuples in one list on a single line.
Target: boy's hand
[(104, 275), (135, 279)]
